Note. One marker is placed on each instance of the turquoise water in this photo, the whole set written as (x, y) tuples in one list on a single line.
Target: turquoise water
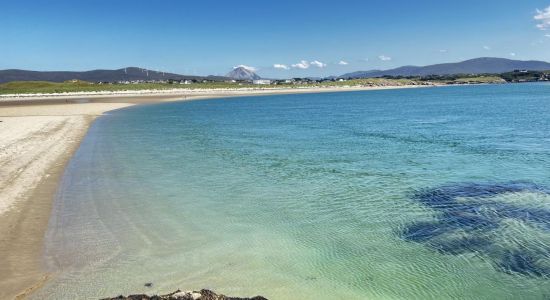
[(433, 193)]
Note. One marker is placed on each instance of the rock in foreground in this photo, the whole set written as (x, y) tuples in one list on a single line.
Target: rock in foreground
[(179, 295)]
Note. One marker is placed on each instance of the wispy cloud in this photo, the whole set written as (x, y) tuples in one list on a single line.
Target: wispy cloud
[(543, 17), (512, 54), (487, 48), (343, 63), (253, 69), (318, 64), (303, 64), (384, 58), (281, 66), (547, 35), (443, 50)]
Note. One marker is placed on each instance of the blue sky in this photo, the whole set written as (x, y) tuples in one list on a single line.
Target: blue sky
[(304, 38)]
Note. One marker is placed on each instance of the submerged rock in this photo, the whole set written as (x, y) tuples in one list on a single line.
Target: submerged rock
[(472, 218), (179, 295)]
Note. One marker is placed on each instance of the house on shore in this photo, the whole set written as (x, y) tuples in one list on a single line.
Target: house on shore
[(261, 81)]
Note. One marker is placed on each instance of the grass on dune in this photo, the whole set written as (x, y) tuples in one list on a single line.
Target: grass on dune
[(46, 87), (480, 79), (34, 87), (371, 82)]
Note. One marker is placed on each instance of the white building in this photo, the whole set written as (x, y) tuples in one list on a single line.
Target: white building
[(261, 81)]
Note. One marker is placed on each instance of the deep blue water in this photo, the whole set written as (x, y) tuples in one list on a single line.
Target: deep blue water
[(432, 193)]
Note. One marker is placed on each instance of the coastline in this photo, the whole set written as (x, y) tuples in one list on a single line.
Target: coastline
[(38, 136), (178, 93)]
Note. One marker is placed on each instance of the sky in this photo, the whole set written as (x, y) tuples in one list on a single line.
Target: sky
[(278, 39)]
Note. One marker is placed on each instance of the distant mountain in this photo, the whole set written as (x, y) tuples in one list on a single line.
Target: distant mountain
[(131, 73), (243, 73), (472, 66)]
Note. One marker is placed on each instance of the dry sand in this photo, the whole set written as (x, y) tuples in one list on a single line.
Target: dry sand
[(38, 135)]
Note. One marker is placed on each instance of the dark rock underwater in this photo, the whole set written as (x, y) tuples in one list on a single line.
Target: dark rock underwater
[(471, 219)]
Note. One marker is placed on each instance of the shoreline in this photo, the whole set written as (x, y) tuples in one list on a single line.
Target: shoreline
[(36, 144), (33, 156), (176, 93)]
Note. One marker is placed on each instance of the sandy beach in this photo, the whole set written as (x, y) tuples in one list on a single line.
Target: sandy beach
[(38, 135), (36, 142)]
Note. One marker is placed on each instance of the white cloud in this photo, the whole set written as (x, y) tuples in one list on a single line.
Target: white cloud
[(443, 50), (384, 58), (543, 17), (318, 64), (487, 48), (304, 64), (281, 66), (547, 35), (512, 54), (246, 67), (343, 63), (301, 65)]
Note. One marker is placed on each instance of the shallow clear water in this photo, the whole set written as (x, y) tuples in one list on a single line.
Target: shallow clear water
[(435, 193)]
